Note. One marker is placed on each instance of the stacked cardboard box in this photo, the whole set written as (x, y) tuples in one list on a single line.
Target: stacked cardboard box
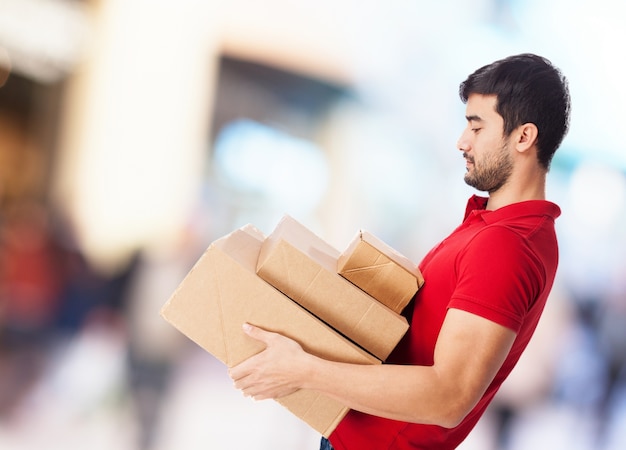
[(381, 271), (304, 267), (306, 300)]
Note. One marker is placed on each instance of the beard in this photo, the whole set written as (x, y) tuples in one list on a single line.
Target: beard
[(491, 172)]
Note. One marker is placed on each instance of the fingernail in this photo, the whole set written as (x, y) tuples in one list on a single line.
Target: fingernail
[(246, 327)]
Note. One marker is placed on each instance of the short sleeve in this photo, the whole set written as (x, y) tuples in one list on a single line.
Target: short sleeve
[(499, 277)]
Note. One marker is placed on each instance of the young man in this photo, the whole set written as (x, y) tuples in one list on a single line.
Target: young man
[(486, 284)]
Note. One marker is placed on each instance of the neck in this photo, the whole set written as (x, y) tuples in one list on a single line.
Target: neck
[(518, 189)]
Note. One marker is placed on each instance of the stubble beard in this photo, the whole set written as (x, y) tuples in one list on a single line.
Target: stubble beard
[(490, 173)]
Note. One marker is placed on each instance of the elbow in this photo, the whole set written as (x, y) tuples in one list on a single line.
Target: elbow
[(455, 411), (451, 419), (449, 415)]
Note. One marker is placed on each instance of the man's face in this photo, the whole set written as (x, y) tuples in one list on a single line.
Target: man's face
[(486, 151)]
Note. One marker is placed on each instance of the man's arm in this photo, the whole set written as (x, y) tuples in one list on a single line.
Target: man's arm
[(468, 354)]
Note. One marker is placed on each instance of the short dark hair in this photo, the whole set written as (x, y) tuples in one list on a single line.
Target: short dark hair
[(529, 89)]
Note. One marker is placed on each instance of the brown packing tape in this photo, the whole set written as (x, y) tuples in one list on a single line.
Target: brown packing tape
[(222, 291), (380, 271)]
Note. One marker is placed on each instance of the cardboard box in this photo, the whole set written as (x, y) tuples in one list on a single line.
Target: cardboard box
[(380, 271), (304, 267), (222, 291)]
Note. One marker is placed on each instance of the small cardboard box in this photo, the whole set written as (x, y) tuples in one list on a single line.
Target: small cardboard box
[(300, 264), (222, 291), (380, 271)]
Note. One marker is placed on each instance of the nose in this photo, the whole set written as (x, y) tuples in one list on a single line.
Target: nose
[(463, 143)]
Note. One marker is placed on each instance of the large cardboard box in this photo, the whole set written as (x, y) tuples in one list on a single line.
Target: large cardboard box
[(304, 267), (222, 291), (380, 271)]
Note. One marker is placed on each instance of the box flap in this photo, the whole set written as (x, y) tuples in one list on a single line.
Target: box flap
[(300, 237)]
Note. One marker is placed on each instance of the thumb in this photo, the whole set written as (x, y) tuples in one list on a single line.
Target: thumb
[(256, 333)]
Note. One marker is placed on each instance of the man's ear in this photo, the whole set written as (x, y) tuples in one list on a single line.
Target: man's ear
[(526, 136)]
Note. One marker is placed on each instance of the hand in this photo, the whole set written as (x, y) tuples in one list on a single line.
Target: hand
[(273, 373)]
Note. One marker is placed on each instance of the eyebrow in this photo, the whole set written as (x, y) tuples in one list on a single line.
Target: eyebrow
[(474, 118)]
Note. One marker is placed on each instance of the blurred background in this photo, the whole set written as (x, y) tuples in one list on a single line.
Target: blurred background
[(135, 132)]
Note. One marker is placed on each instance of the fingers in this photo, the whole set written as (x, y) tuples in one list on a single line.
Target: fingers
[(244, 368), (241, 370), (248, 389), (269, 373), (249, 382), (262, 390)]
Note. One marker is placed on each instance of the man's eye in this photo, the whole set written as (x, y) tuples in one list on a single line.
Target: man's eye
[(476, 130)]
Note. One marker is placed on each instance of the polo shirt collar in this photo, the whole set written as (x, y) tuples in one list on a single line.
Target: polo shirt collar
[(476, 206)]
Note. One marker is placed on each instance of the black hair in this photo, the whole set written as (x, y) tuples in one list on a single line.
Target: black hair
[(529, 89)]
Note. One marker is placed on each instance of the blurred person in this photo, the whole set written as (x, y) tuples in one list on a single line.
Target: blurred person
[(612, 348), (31, 286), (485, 290), (49, 293), (31, 279), (154, 347), (529, 387)]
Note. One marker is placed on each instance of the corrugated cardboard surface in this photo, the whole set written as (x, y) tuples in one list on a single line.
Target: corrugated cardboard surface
[(222, 291), (380, 271), (304, 267)]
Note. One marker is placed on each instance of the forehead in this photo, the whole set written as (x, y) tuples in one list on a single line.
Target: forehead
[(482, 107)]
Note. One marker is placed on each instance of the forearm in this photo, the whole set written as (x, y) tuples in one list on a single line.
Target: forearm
[(409, 393), (469, 352)]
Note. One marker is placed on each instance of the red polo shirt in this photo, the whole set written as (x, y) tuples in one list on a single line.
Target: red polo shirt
[(497, 264)]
